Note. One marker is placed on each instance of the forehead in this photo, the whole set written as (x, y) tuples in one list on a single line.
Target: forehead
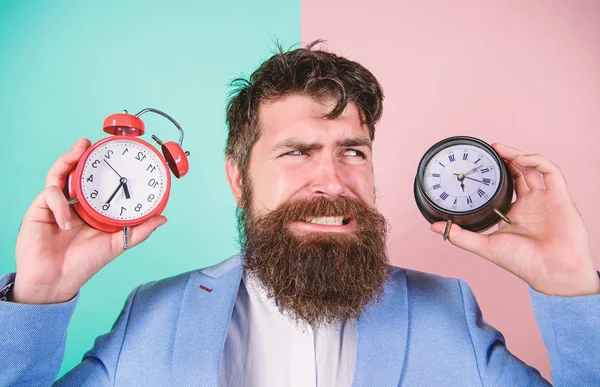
[(301, 116)]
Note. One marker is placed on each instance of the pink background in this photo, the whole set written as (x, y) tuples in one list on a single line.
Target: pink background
[(524, 73)]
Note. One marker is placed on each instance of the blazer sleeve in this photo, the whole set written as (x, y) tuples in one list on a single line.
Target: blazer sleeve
[(99, 365), (32, 344), (570, 329), (32, 340)]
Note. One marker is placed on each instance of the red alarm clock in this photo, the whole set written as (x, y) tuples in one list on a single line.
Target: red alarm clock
[(122, 180)]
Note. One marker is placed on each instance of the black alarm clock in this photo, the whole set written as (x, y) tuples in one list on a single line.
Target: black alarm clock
[(463, 180)]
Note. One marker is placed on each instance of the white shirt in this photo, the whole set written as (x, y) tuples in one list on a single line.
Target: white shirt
[(264, 347)]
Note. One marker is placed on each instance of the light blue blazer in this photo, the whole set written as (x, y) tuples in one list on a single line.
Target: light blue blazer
[(426, 331)]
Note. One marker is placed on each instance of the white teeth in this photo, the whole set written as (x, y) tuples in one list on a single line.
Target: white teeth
[(334, 220)]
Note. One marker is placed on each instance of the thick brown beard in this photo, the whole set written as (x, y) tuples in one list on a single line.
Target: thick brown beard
[(319, 277)]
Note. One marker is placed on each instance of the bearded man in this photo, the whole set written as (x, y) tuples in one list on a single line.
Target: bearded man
[(311, 299)]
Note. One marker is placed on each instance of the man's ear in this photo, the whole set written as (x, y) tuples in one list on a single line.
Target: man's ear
[(234, 178)]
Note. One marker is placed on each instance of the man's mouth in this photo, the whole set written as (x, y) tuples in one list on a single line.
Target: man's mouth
[(333, 220), (325, 223)]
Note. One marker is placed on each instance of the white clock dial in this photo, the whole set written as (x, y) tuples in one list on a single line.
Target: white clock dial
[(461, 178), (123, 180)]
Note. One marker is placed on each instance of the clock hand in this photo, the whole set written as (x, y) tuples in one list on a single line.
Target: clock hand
[(473, 179), (112, 168), (126, 190), (473, 170), (460, 177), (123, 181), (465, 177), (114, 193)]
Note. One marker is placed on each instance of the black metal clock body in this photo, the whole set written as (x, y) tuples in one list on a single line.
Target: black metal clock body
[(464, 180)]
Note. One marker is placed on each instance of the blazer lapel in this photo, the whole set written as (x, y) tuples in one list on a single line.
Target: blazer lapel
[(203, 323), (382, 336)]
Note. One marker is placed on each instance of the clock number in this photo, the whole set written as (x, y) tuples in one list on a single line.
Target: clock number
[(480, 192), (465, 156), (478, 160), (451, 158), (94, 194), (106, 206), (484, 170), (108, 154), (140, 156), (436, 175), (91, 178), (486, 181), (152, 183), (125, 151), (444, 195), (436, 186), (122, 209), (138, 208), (151, 168), (150, 197), (95, 163), (469, 200)]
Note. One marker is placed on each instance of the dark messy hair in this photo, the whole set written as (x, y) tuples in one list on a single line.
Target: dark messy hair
[(307, 71)]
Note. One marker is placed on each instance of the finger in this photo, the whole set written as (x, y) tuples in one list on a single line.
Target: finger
[(45, 215), (521, 187), (467, 240), (552, 175), (509, 153), (139, 233), (65, 164), (50, 206), (534, 179)]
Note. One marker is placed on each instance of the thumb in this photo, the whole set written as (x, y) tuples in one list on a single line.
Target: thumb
[(465, 239)]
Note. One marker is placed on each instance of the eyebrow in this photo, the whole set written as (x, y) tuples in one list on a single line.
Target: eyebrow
[(298, 143)]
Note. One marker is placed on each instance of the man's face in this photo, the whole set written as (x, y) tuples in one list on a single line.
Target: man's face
[(311, 233), (300, 154)]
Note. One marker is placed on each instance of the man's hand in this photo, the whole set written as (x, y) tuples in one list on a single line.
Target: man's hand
[(547, 244), (56, 251)]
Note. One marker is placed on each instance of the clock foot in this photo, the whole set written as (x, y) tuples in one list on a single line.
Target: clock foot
[(126, 237), (501, 215), (447, 230)]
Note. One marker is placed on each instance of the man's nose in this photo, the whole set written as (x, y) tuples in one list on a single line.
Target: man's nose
[(327, 179)]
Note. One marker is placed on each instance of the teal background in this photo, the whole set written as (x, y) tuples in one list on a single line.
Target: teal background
[(66, 65)]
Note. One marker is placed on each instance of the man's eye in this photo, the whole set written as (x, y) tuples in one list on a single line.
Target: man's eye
[(354, 153), (297, 152)]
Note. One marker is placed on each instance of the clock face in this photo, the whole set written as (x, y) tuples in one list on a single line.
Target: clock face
[(123, 179), (461, 178)]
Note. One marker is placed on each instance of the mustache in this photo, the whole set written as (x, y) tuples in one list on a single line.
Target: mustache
[(303, 209)]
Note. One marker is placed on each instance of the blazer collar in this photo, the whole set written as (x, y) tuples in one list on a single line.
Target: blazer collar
[(201, 330), (382, 335), (204, 317)]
